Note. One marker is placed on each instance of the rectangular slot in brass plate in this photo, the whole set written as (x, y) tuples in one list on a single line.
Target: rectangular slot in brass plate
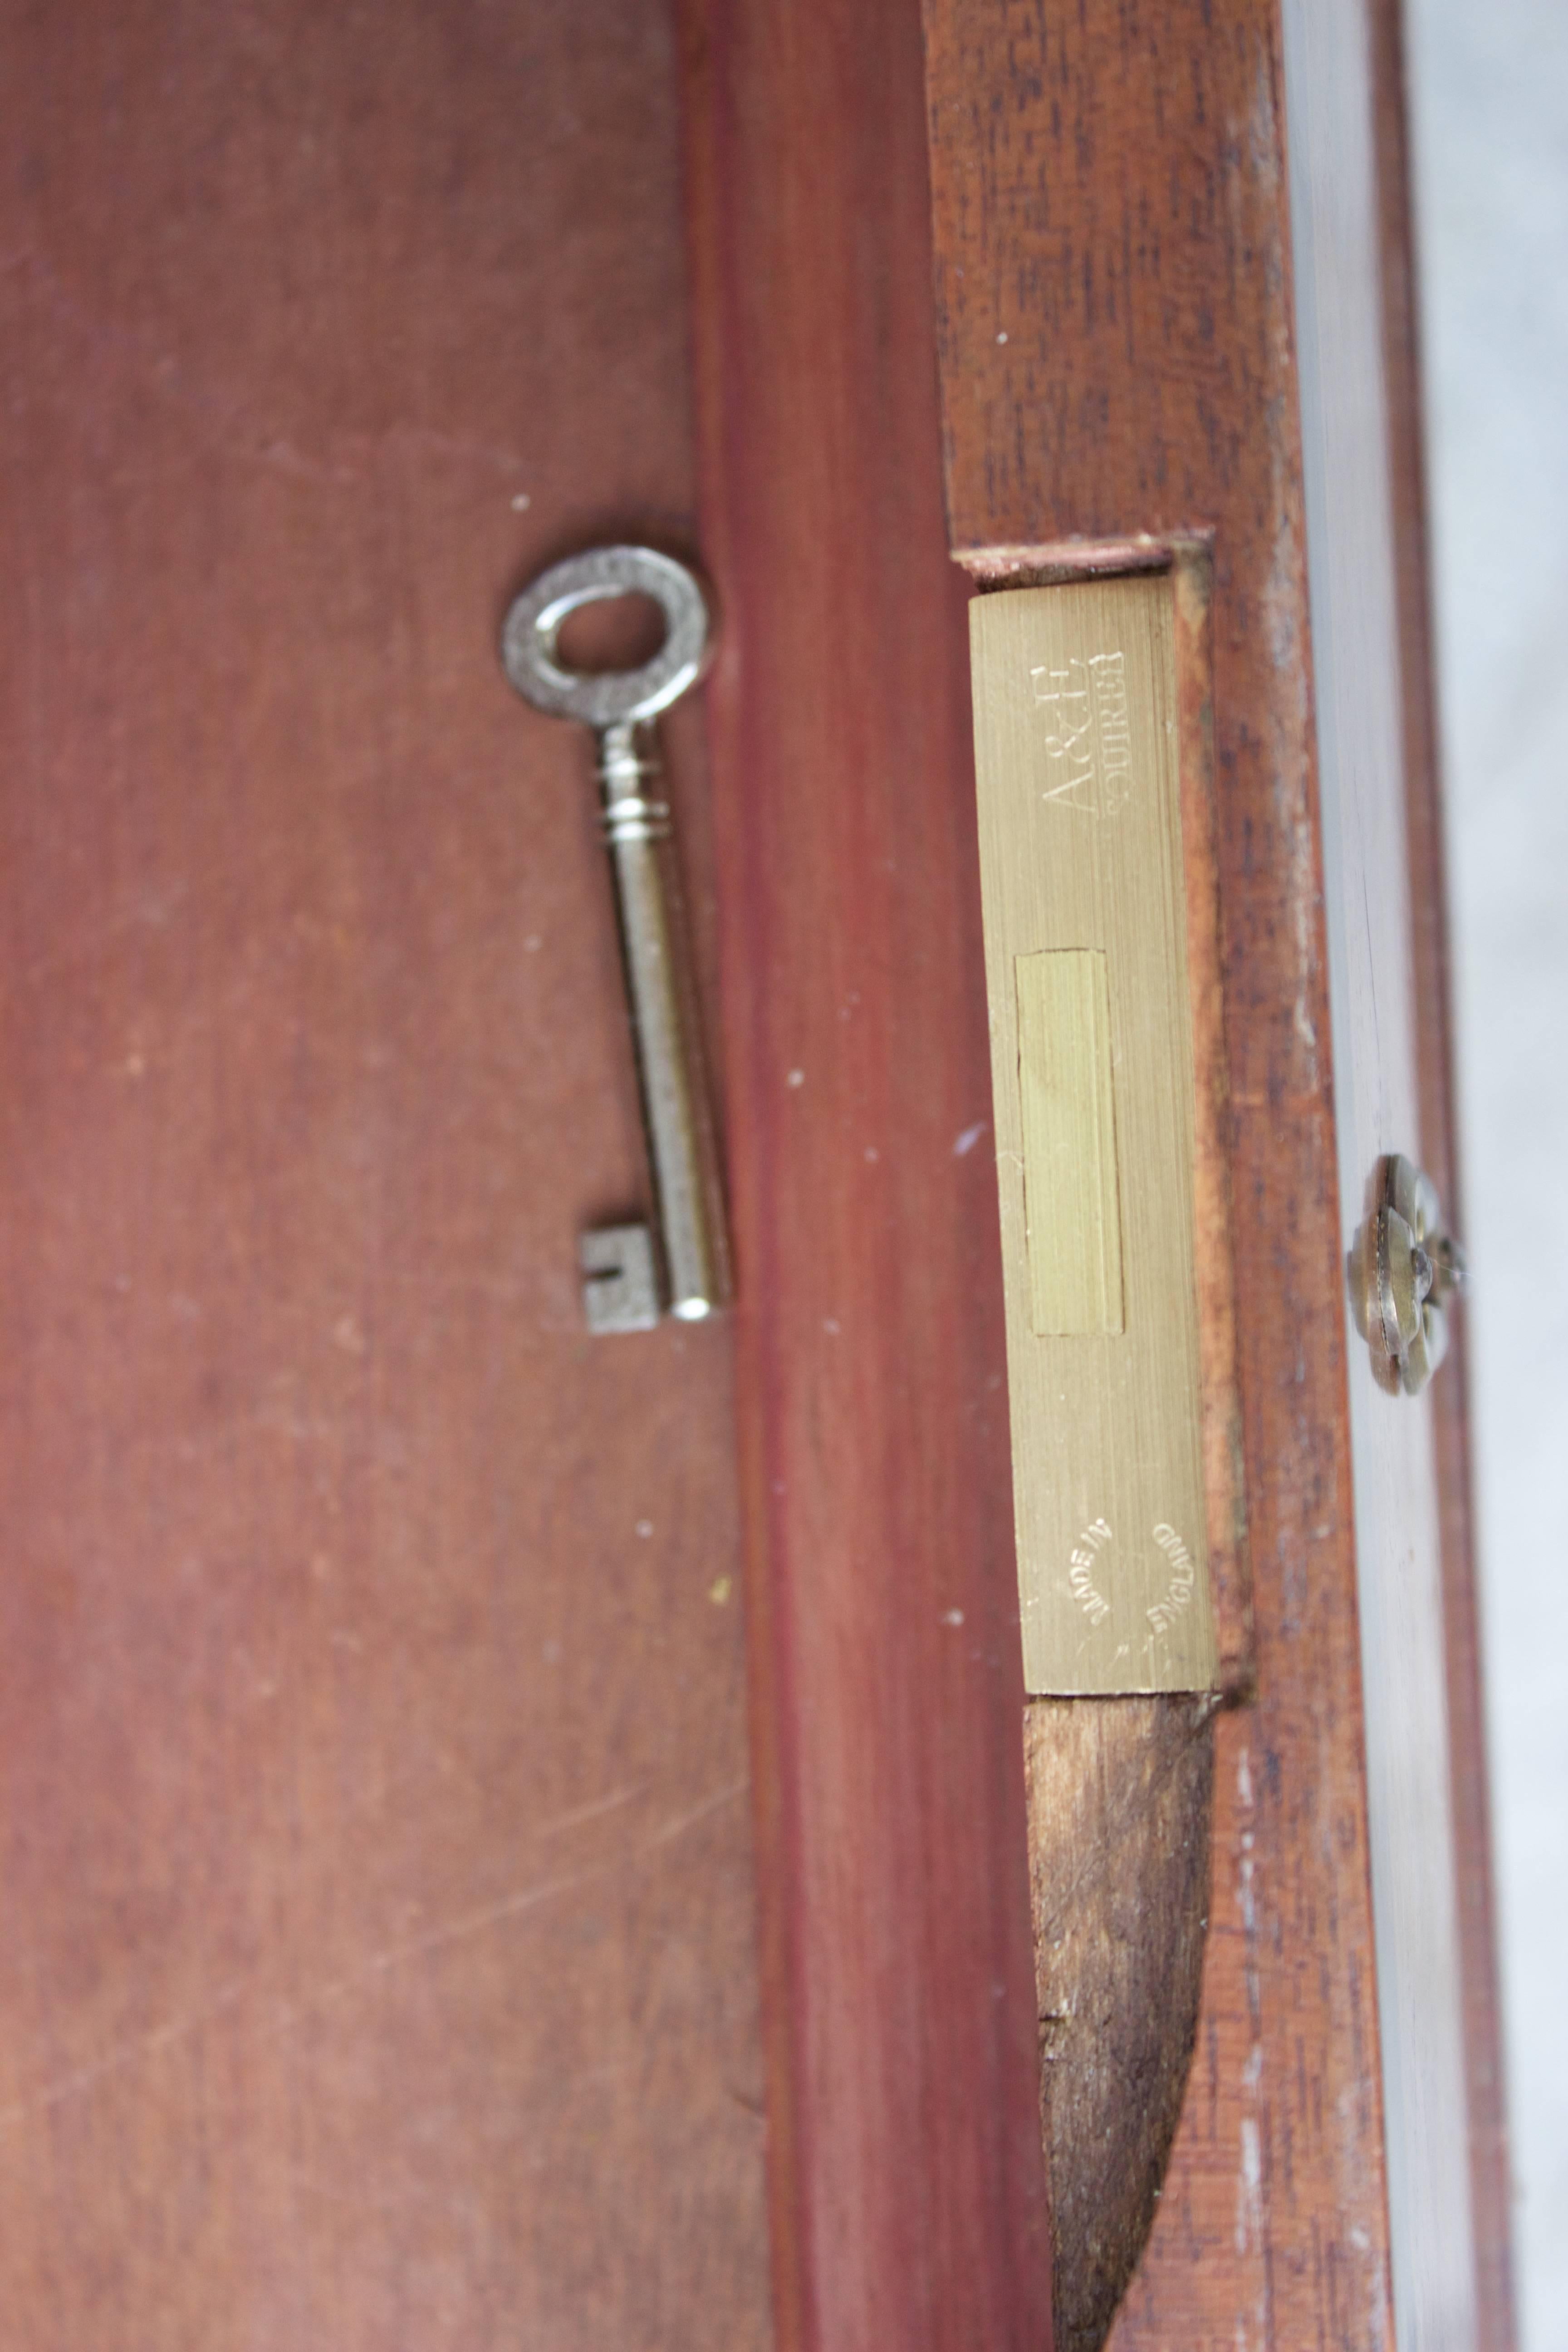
[(1092, 1076), (1074, 1224)]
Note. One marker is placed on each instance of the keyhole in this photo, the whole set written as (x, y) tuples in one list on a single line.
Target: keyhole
[(612, 633)]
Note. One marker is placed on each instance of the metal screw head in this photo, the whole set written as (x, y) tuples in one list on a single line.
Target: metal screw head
[(1403, 1271), (609, 697)]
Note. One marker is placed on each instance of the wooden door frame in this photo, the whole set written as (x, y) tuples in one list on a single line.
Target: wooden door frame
[(907, 2208)]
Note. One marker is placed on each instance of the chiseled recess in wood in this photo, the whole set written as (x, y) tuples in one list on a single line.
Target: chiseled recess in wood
[(1190, 565), (1119, 1871), (1103, 2212), (1114, 307), (1078, 797), (1213, 1222), (1093, 2263), (1073, 1218)]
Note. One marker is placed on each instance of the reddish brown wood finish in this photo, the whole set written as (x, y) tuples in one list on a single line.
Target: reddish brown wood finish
[(1429, 902), (1114, 317), (885, 1665), (378, 1968)]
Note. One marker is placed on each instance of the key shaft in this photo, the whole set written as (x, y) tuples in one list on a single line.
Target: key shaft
[(621, 708)]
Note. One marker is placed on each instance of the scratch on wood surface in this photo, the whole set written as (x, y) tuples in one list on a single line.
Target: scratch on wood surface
[(114, 2060), (375, 1964), (592, 1810), (678, 1823)]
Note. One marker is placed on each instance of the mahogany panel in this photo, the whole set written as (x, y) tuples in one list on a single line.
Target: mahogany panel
[(379, 1964), (886, 1678), (1114, 308)]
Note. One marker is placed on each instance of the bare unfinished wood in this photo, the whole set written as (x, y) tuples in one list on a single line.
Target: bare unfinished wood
[(1119, 1870), (1081, 872)]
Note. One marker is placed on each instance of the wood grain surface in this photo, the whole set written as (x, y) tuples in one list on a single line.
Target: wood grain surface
[(1114, 281), (378, 1968), (1119, 1800), (1352, 570), (906, 2167), (1490, 2187), (1114, 267)]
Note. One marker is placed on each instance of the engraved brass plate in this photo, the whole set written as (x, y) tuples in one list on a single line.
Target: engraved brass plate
[(1071, 1210), (1081, 854)]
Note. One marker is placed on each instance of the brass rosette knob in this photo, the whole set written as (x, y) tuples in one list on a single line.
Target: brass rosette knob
[(1404, 1271)]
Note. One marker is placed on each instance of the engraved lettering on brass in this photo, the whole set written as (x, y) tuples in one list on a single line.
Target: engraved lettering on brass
[(1184, 1577), (1090, 734), (1095, 1111), (1081, 1571)]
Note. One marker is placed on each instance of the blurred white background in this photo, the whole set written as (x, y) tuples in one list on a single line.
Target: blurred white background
[(1489, 99)]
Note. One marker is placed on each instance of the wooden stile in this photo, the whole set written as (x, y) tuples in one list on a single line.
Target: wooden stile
[(1114, 244), (907, 2177)]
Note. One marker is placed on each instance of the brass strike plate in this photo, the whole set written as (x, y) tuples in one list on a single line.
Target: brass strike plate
[(1092, 1072)]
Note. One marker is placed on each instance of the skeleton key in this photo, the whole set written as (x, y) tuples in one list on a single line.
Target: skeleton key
[(627, 1280)]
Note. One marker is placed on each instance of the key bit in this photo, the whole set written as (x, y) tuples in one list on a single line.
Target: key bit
[(629, 1282), (620, 1279)]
